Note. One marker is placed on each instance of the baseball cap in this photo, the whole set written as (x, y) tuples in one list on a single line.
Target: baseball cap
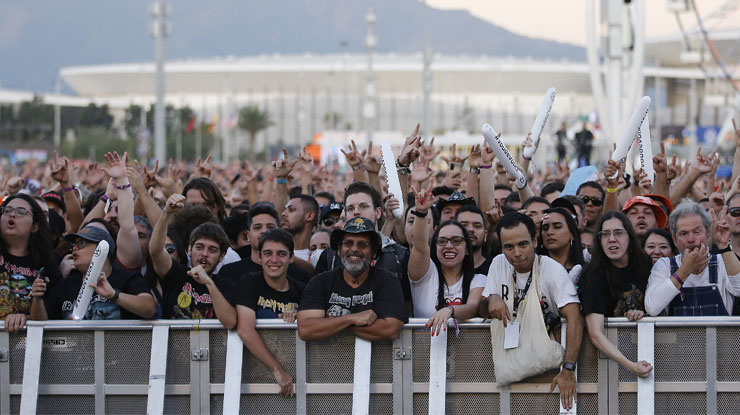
[(660, 215), (331, 207), (94, 234), (57, 198), (662, 199)]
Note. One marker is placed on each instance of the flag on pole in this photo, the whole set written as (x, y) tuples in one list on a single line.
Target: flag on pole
[(191, 125), (212, 127)]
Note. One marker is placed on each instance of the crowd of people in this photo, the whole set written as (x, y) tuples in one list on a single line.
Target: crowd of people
[(310, 244)]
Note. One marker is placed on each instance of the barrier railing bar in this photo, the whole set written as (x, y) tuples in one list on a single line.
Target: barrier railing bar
[(99, 340), (5, 373), (711, 348), (31, 370), (437, 373), (300, 375), (361, 390), (346, 388), (157, 370), (563, 342), (233, 375), (646, 352)]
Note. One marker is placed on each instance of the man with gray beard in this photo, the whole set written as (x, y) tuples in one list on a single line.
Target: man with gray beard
[(359, 297)]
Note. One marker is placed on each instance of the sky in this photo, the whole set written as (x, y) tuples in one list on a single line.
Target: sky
[(556, 22)]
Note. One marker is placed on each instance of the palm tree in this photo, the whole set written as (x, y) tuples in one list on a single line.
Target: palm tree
[(253, 120)]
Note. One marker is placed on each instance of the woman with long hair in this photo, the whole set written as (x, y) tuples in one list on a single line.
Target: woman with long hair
[(658, 243), (443, 282), (613, 284), (25, 255), (560, 240)]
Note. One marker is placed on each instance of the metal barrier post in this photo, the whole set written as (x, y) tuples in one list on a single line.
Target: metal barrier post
[(300, 375), (31, 369), (361, 389), (437, 373), (711, 349), (646, 352), (233, 375), (4, 372), (157, 369), (563, 341)]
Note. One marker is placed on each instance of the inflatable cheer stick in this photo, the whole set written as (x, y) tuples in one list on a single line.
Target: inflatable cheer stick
[(391, 176), (91, 277), (646, 149), (539, 122), (503, 155), (630, 132)]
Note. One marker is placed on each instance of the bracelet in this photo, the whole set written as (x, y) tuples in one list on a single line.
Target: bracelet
[(615, 190), (116, 293), (453, 310), (281, 181), (356, 167), (401, 165), (104, 198), (483, 166), (454, 320), (678, 279), (124, 187), (68, 189), (475, 170), (419, 214)]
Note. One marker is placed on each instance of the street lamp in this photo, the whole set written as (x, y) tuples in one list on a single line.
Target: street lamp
[(158, 30)]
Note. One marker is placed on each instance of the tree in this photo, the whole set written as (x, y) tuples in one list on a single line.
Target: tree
[(253, 120)]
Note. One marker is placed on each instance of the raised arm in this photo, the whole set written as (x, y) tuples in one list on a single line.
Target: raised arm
[(128, 249), (702, 164), (354, 159), (161, 260), (282, 168), (60, 172), (487, 179), (473, 187), (144, 201), (419, 255), (612, 173), (372, 164)]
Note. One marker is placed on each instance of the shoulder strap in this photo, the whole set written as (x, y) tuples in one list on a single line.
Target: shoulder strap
[(713, 265), (674, 265), (467, 279)]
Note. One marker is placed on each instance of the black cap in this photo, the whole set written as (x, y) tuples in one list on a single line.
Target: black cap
[(564, 203), (94, 234), (456, 197), (331, 207), (57, 198), (356, 226)]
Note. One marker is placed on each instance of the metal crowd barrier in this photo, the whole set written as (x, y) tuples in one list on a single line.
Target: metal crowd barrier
[(183, 366)]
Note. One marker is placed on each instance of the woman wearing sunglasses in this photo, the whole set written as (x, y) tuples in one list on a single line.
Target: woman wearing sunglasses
[(25, 255), (613, 284), (560, 240), (443, 283)]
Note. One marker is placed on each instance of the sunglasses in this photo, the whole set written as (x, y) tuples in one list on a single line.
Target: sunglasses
[(170, 248), (329, 221), (455, 241), (734, 212), (596, 201), (19, 211), (80, 243)]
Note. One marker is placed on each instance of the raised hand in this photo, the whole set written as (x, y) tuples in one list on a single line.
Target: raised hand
[(411, 148), (305, 162), (174, 203), (116, 165), (352, 155), (371, 162), (203, 167), (454, 159), (150, 177), (674, 169), (474, 158), (421, 172), (703, 163), (660, 163), (424, 198), (283, 167), (14, 185), (427, 152), (60, 169), (737, 133), (487, 155), (136, 179), (720, 228)]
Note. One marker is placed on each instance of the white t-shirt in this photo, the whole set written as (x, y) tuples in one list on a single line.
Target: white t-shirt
[(661, 291), (302, 254), (424, 291), (555, 284), (575, 273)]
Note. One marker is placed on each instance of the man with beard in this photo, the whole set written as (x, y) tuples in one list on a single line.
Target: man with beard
[(363, 299), (695, 283), (645, 214), (592, 195), (300, 216), (471, 217)]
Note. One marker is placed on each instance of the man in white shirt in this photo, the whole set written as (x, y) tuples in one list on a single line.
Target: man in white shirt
[(517, 234), (695, 283)]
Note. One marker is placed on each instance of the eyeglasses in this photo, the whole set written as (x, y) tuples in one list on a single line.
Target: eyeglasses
[(329, 221), (596, 201), (455, 240), (734, 212), (170, 248), (19, 211), (348, 243), (617, 233), (79, 243)]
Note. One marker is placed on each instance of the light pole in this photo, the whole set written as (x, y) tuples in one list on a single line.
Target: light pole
[(159, 29), (368, 110)]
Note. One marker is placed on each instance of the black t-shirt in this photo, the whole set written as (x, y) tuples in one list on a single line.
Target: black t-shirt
[(381, 293), (483, 268), (17, 275), (60, 302), (597, 298), (184, 298), (266, 301), (239, 269)]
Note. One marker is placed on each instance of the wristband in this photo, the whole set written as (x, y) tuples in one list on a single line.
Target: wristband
[(356, 167), (104, 198), (401, 165), (68, 189), (454, 320), (281, 181), (116, 293), (124, 187), (453, 310), (615, 190), (678, 279), (483, 166), (419, 214), (569, 366), (723, 250), (475, 170)]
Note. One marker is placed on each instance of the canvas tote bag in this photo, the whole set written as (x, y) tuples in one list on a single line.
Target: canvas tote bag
[(537, 353)]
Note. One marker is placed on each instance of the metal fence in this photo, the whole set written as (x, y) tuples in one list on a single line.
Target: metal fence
[(180, 366)]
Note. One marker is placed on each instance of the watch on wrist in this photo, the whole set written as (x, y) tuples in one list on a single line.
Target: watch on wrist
[(475, 170), (419, 214), (116, 293), (723, 250), (569, 366)]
